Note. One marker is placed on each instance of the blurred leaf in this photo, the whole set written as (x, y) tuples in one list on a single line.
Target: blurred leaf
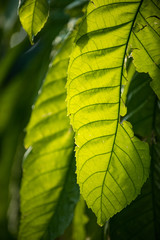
[(79, 221), (49, 191), (93, 230), (22, 72), (8, 61), (84, 225), (33, 15), (75, 8), (60, 3), (77, 229), (8, 25)]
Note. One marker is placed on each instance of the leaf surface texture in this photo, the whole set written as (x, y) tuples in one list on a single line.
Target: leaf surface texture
[(49, 191), (145, 41), (33, 15), (144, 222), (112, 164)]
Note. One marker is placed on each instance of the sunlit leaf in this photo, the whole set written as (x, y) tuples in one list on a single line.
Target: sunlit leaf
[(145, 41), (33, 15), (112, 164), (140, 220), (49, 191)]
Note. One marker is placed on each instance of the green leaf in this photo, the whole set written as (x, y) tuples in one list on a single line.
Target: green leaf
[(33, 15), (137, 220), (79, 221), (112, 164), (49, 191), (84, 225), (140, 220), (145, 41)]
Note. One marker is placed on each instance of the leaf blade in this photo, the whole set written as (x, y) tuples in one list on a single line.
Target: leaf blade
[(49, 191), (94, 102), (145, 41), (144, 222), (33, 15)]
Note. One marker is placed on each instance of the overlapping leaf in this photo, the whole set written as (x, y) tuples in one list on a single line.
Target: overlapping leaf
[(140, 220), (76, 230), (112, 164), (140, 104), (145, 40), (33, 15), (49, 191)]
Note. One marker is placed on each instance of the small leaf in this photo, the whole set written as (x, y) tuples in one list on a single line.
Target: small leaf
[(33, 15)]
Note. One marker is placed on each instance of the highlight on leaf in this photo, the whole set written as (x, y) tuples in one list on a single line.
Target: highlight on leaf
[(112, 164), (49, 191), (112, 62), (145, 42), (33, 15), (144, 114)]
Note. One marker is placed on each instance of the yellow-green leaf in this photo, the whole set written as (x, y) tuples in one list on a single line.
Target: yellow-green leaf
[(78, 227), (112, 164), (33, 15), (49, 191), (144, 113), (145, 41)]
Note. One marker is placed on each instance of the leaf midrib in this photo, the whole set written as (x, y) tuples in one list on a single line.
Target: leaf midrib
[(97, 8), (119, 102), (34, 7)]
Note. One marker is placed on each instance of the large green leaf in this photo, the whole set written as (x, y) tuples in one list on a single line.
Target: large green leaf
[(33, 15), (112, 164), (49, 191), (145, 40), (21, 73), (141, 219)]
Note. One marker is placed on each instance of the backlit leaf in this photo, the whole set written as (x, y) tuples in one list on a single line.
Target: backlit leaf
[(141, 219), (49, 191), (112, 164), (33, 15), (145, 41)]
